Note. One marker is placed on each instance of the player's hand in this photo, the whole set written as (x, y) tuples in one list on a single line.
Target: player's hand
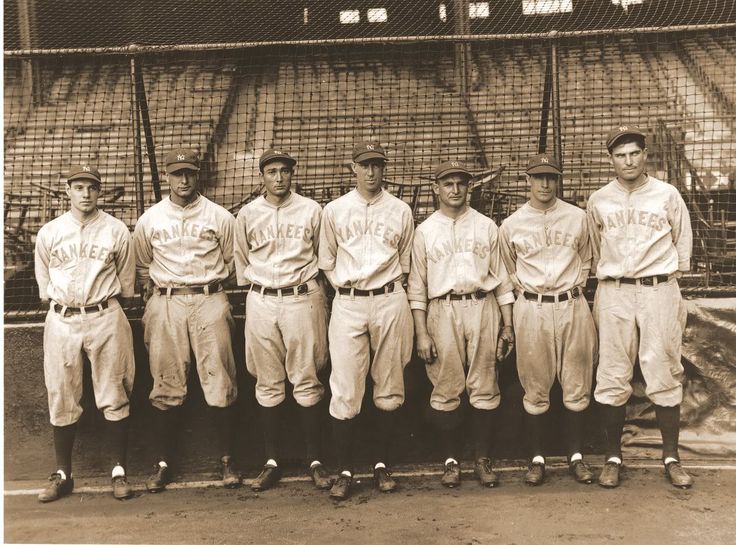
[(678, 274), (426, 349), (505, 345), (147, 291)]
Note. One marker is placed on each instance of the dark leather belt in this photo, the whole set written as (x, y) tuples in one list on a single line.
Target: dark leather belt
[(301, 289), (81, 310), (189, 290), (575, 293), (645, 280), (479, 294), (388, 288)]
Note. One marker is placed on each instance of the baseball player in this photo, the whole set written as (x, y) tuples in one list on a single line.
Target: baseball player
[(276, 241), (84, 262), (546, 249), (642, 241), (459, 293), (365, 250), (184, 255)]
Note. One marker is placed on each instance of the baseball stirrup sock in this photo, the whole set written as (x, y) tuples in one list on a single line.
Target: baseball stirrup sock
[(535, 425), (342, 433), (573, 422), (271, 422), (613, 424), (668, 419), (118, 431), (166, 427), (311, 419), (386, 422), (483, 423), (63, 445), (224, 418)]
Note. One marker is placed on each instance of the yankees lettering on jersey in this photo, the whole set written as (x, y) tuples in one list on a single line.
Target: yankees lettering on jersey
[(546, 251), (80, 264), (639, 233), (276, 246), (458, 256), (184, 246), (366, 244)]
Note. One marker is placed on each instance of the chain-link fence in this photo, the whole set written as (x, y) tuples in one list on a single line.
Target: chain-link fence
[(443, 88)]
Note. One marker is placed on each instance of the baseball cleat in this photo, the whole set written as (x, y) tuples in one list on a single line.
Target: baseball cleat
[(451, 477), (341, 489), (484, 472), (320, 477), (581, 471), (158, 481), (268, 477), (121, 490), (610, 475), (535, 474), (383, 480), (677, 475), (230, 477), (57, 488)]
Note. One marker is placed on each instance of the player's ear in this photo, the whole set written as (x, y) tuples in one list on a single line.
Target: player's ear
[(435, 188), (68, 189), (353, 167)]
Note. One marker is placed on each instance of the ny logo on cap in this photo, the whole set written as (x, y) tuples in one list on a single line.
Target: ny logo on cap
[(180, 157), (369, 146), (279, 152), (454, 164), (544, 159), (85, 168), (623, 128)]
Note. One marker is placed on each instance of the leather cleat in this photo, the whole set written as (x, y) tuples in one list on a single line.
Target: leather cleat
[(268, 477), (158, 481), (121, 490), (610, 475), (484, 472), (230, 477), (320, 477), (57, 488), (535, 474), (677, 475), (451, 476), (341, 489), (383, 480), (581, 471)]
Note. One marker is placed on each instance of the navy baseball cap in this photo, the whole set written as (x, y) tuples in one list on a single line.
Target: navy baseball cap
[(368, 150), (543, 164), (275, 155), (84, 172), (179, 158), (446, 168), (620, 131)]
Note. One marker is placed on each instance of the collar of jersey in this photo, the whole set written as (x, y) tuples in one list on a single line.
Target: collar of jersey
[(90, 221), (192, 204), (625, 190), (447, 219), (550, 209), (360, 198), (284, 204)]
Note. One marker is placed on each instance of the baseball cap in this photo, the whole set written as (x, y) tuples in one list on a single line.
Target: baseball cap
[(368, 150), (446, 168), (84, 172), (620, 131), (543, 164), (179, 158), (274, 155)]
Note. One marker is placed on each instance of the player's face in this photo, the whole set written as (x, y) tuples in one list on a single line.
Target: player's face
[(629, 161), (543, 188), (452, 190), (276, 177), (83, 195), (370, 175), (183, 184)]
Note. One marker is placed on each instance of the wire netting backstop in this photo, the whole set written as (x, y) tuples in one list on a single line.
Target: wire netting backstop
[(437, 81)]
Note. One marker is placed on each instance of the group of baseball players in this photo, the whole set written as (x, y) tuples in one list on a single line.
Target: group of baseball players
[(462, 290)]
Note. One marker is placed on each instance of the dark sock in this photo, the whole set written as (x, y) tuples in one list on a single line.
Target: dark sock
[(386, 422), (63, 445), (166, 425), (118, 431), (311, 418), (271, 422), (224, 418), (535, 424), (668, 419), (342, 431), (574, 431), (447, 424), (482, 422), (613, 425)]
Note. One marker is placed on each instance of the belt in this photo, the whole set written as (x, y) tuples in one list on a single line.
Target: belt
[(388, 288), (190, 290), (61, 309), (478, 294), (645, 280), (564, 296), (301, 289)]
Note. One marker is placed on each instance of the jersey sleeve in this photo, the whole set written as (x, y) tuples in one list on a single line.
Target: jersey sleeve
[(594, 236), (504, 292), (240, 248), (143, 251), (585, 252), (682, 232), (42, 258), (125, 264), (417, 289), (226, 242), (508, 252), (405, 244), (327, 242), (316, 221)]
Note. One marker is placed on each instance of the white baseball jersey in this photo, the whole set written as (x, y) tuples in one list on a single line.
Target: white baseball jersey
[(184, 246), (639, 233), (366, 244), (546, 251), (458, 256), (276, 246), (80, 264)]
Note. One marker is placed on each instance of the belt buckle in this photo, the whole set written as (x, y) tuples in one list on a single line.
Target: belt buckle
[(480, 294), (301, 289), (389, 288)]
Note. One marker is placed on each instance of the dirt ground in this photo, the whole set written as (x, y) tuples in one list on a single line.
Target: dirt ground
[(645, 509)]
